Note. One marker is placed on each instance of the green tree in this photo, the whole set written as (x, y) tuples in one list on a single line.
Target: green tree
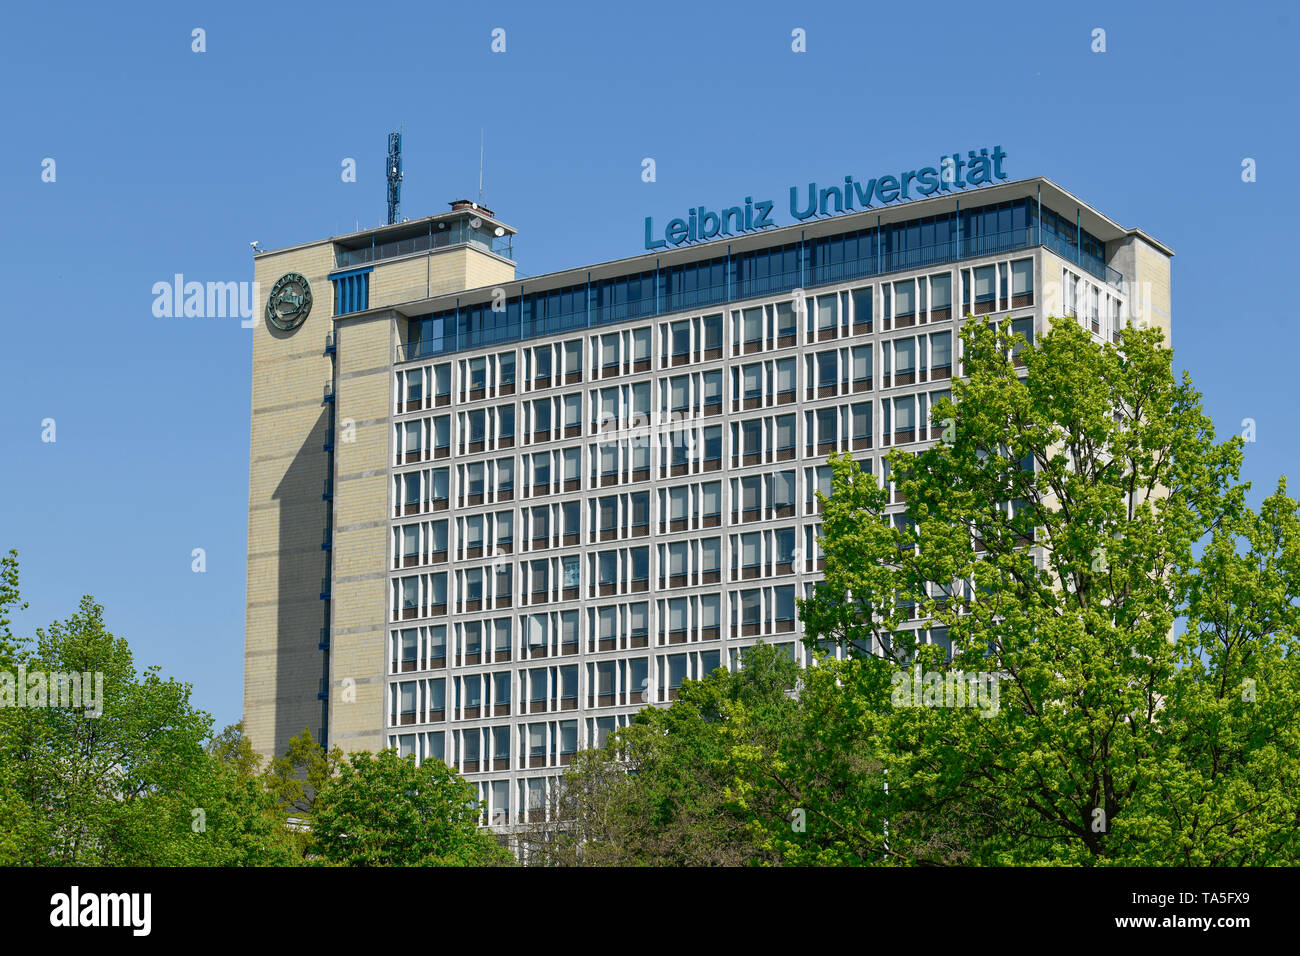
[(744, 768), (130, 784), (20, 827), (238, 820), (107, 786), (385, 810), (1115, 740), (295, 776)]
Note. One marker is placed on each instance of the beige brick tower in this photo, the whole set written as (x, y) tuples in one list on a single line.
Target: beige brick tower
[(319, 465)]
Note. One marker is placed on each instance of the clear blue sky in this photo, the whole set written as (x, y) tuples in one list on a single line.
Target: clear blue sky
[(171, 161)]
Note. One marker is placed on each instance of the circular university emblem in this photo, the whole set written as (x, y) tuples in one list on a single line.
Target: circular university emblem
[(289, 303)]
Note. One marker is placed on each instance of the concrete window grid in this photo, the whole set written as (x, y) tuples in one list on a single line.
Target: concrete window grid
[(590, 377)]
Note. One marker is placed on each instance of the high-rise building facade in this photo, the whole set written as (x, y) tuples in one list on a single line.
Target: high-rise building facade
[(491, 518)]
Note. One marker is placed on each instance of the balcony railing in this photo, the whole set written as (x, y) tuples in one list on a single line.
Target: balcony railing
[(458, 233), (742, 287)]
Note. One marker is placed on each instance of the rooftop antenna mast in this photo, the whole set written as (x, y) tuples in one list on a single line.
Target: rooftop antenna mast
[(394, 176), (480, 166)]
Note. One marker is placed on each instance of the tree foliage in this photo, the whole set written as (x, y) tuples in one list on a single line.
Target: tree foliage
[(143, 782), (384, 810), (1117, 740)]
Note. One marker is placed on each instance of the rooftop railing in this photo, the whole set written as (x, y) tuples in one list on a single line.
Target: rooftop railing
[(456, 234), (748, 287)]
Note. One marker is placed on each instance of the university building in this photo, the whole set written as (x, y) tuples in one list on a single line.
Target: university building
[(490, 518)]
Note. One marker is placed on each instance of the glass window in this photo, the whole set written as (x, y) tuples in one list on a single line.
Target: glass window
[(712, 387), (903, 298), (1023, 327), (785, 375), (711, 554), (506, 362), (712, 498), (1022, 276), (541, 521), (904, 355), (542, 415), (984, 279), (710, 610), (505, 474), (904, 414), (713, 331), (639, 619), (676, 670), (941, 291), (940, 349), (785, 545), (568, 736), (713, 443), (678, 503), (414, 386), (640, 564), (569, 628), (542, 468), (641, 400), (753, 325), (609, 349), (680, 389), (784, 603), (681, 333), (709, 662), (473, 637), (677, 614), (785, 431), (474, 531), (862, 305), (474, 584), (609, 459), (786, 322), (827, 424), (640, 344), (861, 415), (824, 479), (827, 311), (861, 363), (478, 373), (783, 489), (826, 368), (638, 675), (411, 488)]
